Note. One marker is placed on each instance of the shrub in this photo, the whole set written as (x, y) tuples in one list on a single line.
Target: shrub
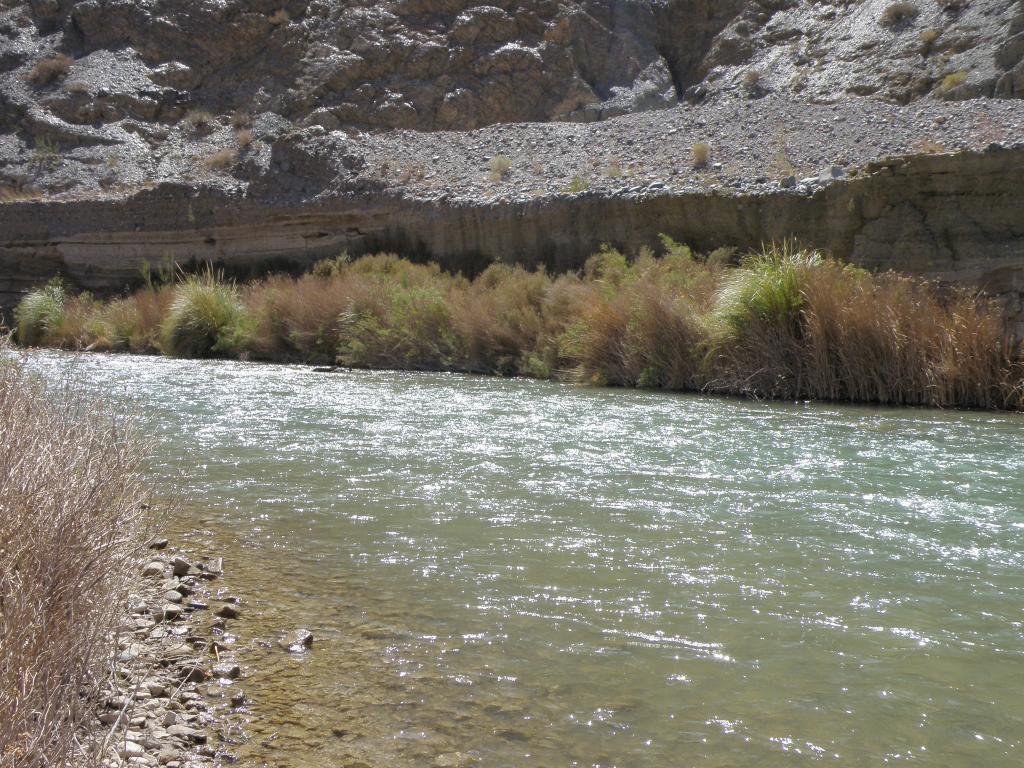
[(71, 525), (205, 318), (701, 153), (279, 17), (299, 320), (928, 38), (39, 313), (46, 153), (222, 159), (244, 137), (397, 327), (500, 166), (500, 322), (952, 80), (577, 184), (899, 13), (50, 69), (614, 170), (755, 323), (197, 120), (751, 81)]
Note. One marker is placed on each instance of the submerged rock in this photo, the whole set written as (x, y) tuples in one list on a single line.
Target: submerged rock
[(298, 641)]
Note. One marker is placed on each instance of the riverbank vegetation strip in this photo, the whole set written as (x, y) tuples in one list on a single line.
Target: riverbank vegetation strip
[(784, 323), (71, 520)]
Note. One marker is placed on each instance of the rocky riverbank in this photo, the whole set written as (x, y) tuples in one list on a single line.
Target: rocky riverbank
[(174, 698)]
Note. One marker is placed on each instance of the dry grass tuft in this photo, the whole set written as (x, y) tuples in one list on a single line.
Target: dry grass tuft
[(222, 159), (897, 14), (751, 81), (500, 166), (71, 521), (197, 120), (50, 69), (701, 154), (244, 137)]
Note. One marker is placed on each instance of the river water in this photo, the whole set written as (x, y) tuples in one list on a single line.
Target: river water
[(514, 573)]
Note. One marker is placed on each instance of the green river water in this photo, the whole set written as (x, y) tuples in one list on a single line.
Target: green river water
[(513, 573)]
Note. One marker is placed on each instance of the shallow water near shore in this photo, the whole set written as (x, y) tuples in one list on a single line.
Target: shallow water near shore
[(521, 573)]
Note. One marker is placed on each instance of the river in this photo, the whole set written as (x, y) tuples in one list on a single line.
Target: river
[(519, 573)]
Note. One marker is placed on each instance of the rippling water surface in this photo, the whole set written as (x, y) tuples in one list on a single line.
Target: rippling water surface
[(512, 573)]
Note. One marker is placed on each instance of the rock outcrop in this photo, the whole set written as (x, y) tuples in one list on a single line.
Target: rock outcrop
[(264, 132)]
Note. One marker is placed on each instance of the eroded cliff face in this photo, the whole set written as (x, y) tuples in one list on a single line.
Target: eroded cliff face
[(955, 218), (249, 132)]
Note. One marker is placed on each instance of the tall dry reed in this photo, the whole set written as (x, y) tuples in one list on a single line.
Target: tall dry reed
[(71, 520)]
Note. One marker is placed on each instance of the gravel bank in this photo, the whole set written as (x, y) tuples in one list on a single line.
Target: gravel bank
[(754, 144), (174, 698)]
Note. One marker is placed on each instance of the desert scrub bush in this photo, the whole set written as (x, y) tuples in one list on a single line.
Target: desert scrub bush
[(397, 326), (205, 318), (500, 166), (928, 37), (50, 69), (299, 320), (577, 184), (614, 169), (45, 153), (279, 17), (38, 313), (197, 120), (700, 153), (896, 14), (751, 82), (71, 526), (222, 159), (244, 137), (952, 80), (500, 323), (240, 120)]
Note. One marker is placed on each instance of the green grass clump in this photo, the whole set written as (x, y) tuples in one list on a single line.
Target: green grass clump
[(39, 313), (206, 318), (767, 290)]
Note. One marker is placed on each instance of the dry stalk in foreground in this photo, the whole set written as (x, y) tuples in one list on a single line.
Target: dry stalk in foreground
[(71, 522)]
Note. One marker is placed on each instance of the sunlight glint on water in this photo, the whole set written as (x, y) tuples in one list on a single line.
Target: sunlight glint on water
[(534, 574)]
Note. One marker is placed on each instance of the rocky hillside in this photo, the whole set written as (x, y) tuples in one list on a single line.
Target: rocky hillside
[(115, 85), (359, 110)]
